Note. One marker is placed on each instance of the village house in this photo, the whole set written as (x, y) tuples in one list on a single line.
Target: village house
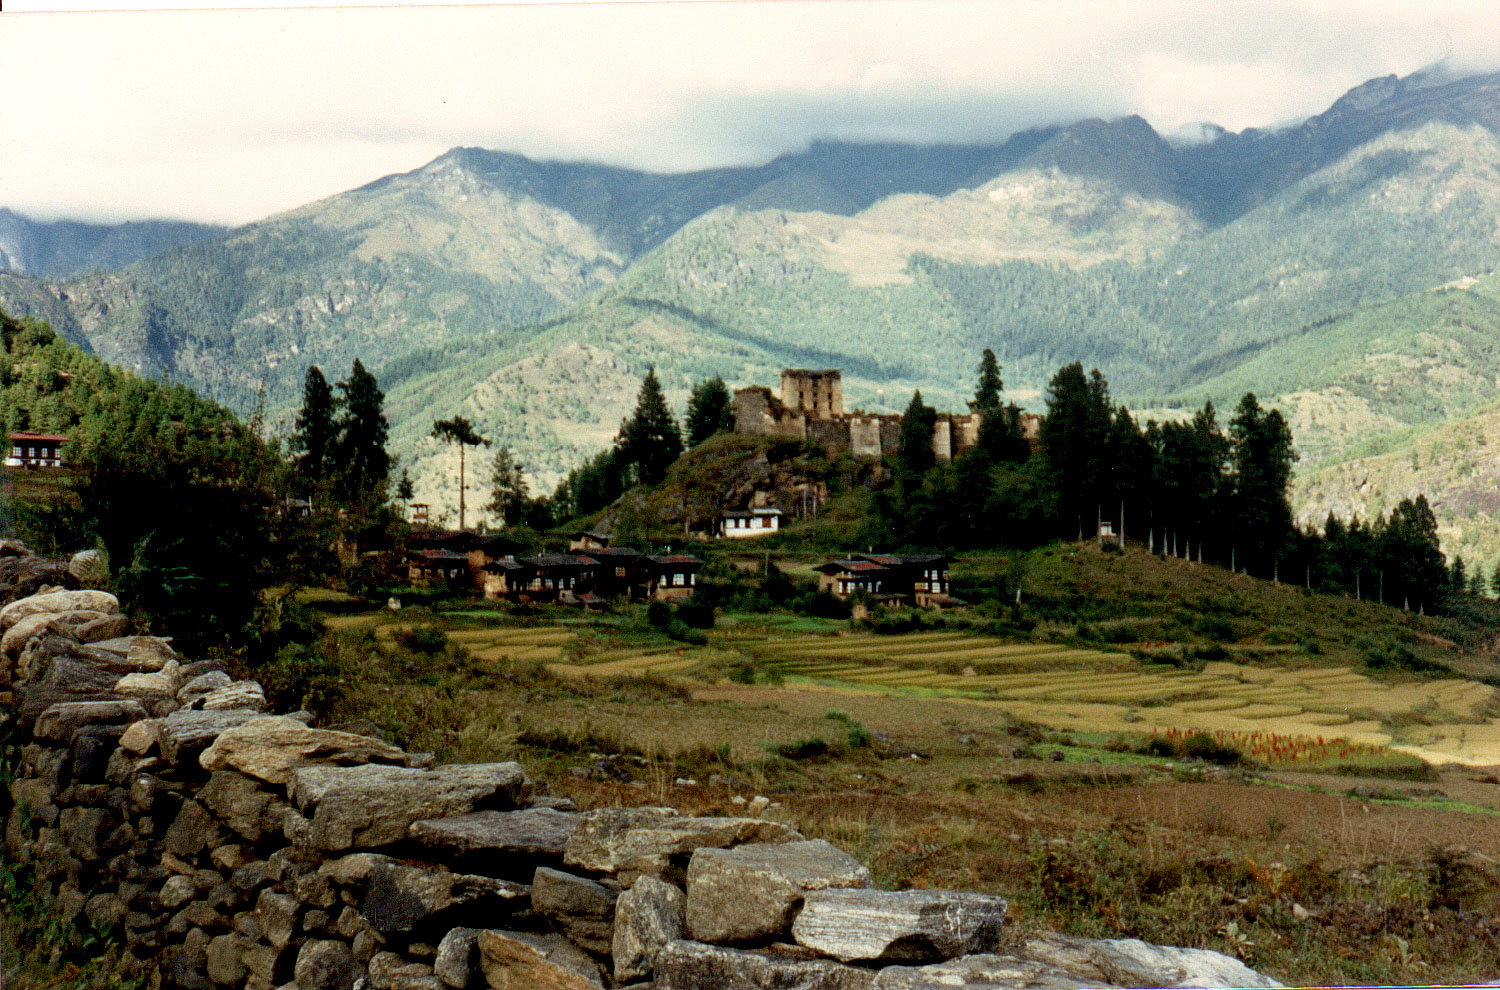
[(620, 572), (454, 557), (35, 450), (673, 577), (736, 524), (912, 579)]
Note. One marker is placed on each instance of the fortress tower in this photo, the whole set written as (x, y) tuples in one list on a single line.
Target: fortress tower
[(814, 394)]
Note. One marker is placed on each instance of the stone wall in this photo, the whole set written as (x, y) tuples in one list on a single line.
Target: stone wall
[(236, 848)]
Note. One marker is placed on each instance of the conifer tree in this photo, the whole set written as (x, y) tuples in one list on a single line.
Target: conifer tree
[(709, 411), (316, 433), (649, 441), (915, 456), (1261, 456), (363, 431), (1495, 581), (509, 495), (987, 395)]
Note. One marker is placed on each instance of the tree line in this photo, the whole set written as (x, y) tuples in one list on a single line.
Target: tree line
[(1192, 489)]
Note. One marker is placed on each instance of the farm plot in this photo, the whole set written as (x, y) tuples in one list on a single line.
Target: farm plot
[(1077, 688)]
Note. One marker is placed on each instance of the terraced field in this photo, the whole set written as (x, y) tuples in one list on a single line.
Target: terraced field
[(1080, 688)]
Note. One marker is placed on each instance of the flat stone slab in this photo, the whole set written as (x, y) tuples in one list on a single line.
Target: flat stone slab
[(684, 965), (633, 842), (271, 748), (529, 832), (900, 926), (186, 732), (522, 961), (750, 893), (583, 909), (57, 602), (61, 722), (1130, 962), (369, 806)]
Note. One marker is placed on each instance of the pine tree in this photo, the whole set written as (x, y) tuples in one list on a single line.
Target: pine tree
[(1261, 455), (987, 395), (460, 431), (709, 411), (509, 495), (1495, 581), (1075, 438), (915, 456), (315, 434), (363, 431), (649, 441)]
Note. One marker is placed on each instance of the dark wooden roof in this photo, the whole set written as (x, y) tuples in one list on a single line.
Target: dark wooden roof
[(37, 437)]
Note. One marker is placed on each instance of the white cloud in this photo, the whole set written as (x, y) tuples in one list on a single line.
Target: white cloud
[(232, 114)]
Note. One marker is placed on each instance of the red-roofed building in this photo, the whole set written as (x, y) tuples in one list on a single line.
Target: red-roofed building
[(35, 450), (673, 576), (920, 579)]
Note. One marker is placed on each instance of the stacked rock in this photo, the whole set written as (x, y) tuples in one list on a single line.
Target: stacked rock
[(237, 848)]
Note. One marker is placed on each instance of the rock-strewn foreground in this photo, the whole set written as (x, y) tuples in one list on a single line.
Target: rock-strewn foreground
[(241, 849)]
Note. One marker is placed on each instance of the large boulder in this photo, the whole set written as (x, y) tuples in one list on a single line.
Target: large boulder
[(750, 893), (26, 629), (684, 965), (373, 805), (648, 916), (900, 926), (90, 568), (633, 842), (522, 961), (272, 747)]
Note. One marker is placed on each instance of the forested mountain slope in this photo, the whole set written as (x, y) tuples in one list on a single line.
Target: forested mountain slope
[(65, 248), (531, 296)]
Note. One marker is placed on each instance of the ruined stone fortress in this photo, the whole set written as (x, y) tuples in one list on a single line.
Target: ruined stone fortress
[(811, 407)]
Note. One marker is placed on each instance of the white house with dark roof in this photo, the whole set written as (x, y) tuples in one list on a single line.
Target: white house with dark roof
[(738, 524)]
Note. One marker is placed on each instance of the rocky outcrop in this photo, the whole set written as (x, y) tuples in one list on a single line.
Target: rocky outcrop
[(235, 849)]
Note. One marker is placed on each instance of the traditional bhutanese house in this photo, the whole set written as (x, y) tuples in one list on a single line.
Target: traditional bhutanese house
[(553, 574), (430, 568), (478, 550), (588, 540), (737, 524), (920, 578), (622, 572), (503, 578), (673, 576), (35, 450), (842, 578)]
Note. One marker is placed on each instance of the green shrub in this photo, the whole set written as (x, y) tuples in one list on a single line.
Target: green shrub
[(658, 615), (696, 614), (811, 748), (1202, 746), (426, 640)]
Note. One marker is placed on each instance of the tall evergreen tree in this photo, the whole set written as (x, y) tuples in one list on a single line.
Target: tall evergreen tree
[(987, 395), (1262, 456), (1076, 442), (315, 434), (363, 431), (460, 431), (709, 411), (649, 441), (915, 455), (509, 495), (1495, 581)]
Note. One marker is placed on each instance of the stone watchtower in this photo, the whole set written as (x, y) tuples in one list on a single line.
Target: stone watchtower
[(814, 394)]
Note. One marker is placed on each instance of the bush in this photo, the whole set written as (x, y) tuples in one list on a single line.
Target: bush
[(823, 605), (427, 640), (1399, 657), (658, 615), (1202, 746), (803, 749), (696, 614)]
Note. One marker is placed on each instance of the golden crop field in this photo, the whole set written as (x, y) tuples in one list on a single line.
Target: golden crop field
[(1079, 688)]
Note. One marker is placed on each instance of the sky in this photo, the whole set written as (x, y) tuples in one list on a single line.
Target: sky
[(230, 115)]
